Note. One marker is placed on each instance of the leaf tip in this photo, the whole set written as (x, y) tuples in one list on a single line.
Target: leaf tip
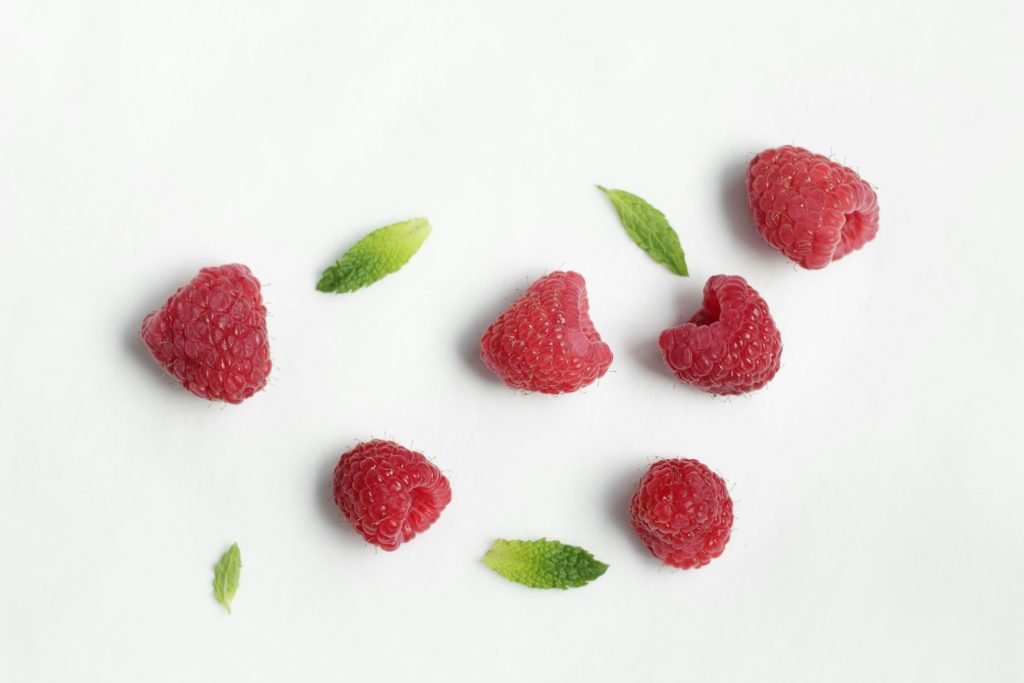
[(422, 225), (678, 264)]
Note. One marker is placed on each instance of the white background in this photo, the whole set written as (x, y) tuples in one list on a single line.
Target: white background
[(877, 479)]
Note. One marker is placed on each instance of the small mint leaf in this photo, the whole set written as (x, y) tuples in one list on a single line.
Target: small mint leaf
[(225, 576), (383, 251), (649, 228), (543, 563)]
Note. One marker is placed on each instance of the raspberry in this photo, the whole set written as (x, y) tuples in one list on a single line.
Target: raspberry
[(211, 335), (682, 512), (545, 341), (389, 493), (731, 345), (810, 208)]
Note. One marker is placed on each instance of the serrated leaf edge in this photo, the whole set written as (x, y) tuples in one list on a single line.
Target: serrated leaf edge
[(328, 276), (669, 259), (603, 566)]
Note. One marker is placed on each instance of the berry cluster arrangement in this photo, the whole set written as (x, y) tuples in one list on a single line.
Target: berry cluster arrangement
[(211, 335)]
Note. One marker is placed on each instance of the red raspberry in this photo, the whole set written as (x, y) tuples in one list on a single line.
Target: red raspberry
[(810, 208), (682, 512), (212, 335), (731, 345), (545, 341), (389, 493)]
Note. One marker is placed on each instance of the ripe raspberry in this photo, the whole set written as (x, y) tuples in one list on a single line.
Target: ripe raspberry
[(545, 341), (211, 335), (810, 208), (731, 345), (389, 493), (682, 512)]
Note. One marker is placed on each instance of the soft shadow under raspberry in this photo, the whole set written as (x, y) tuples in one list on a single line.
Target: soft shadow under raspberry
[(469, 342), (616, 504), (132, 331), (734, 205), (324, 498), (684, 305)]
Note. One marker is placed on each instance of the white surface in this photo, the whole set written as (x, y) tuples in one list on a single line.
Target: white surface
[(877, 480)]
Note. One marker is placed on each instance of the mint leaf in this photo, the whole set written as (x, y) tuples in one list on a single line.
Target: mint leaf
[(225, 576), (543, 563), (383, 251), (649, 228)]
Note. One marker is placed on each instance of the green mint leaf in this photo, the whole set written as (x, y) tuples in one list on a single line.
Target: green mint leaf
[(225, 576), (543, 563), (649, 228), (383, 251)]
